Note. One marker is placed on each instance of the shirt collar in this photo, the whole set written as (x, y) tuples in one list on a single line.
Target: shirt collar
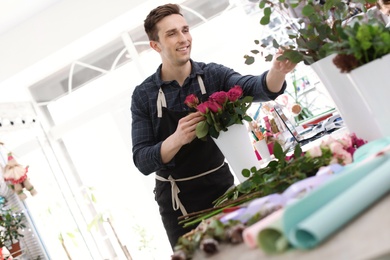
[(195, 71)]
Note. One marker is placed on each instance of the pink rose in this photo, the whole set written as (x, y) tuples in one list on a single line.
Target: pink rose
[(357, 141), (315, 151), (351, 150), (343, 157), (234, 93), (328, 141), (203, 108), (346, 141), (192, 101), (219, 97), (213, 106), (336, 147)]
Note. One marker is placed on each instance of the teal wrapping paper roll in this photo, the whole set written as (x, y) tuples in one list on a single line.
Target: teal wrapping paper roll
[(314, 218), (370, 148)]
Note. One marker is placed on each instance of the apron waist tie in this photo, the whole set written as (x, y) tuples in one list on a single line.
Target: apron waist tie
[(176, 203)]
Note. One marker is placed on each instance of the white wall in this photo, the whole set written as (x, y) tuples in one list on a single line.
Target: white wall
[(60, 34)]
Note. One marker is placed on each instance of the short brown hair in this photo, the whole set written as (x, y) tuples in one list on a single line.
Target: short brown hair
[(156, 15)]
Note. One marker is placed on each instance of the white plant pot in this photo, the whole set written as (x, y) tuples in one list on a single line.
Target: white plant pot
[(351, 105), (237, 148), (372, 82)]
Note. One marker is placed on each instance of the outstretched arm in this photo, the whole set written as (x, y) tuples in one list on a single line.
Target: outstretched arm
[(277, 74)]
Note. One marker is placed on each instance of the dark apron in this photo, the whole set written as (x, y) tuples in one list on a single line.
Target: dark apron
[(193, 159)]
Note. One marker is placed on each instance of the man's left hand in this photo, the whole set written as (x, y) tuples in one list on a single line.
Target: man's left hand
[(285, 66)]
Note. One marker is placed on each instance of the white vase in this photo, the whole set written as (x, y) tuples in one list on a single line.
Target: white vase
[(237, 148), (348, 100), (372, 82)]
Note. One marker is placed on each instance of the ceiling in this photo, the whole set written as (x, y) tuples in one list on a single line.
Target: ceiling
[(37, 37), (14, 12)]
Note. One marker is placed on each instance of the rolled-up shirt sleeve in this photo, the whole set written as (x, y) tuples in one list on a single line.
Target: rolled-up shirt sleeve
[(255, 86), (266, 91), (146, 150)]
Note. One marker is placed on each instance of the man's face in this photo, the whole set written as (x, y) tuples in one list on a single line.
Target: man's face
[(175, 40), (385, 9)]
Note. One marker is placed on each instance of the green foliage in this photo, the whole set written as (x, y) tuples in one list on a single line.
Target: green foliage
[(276, 177), (312, 32), (363, 42), (12, 223)]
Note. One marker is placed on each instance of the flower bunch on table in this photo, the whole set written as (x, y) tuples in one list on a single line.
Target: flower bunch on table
[(342, 149), (221, 110), (276, 177)]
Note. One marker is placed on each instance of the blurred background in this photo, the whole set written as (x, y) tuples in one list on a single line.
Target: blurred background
[(67, 72)]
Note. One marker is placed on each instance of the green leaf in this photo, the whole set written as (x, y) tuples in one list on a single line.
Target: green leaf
[(267, 11), (278, 151), (269, 57), (249, 59), (93, 198), (265, 20), (312, 45), (275, 44), (272, 165), (307, 10), (246, 173), (255, 51), (247, 99), (247, 118), (294, 56), (297, 151), (245, 187), (202, 128)]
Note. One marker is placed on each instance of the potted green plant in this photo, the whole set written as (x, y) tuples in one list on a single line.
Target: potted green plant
[(311, 26), (363, 53), (360, 44), (11, 225), (313, 34)]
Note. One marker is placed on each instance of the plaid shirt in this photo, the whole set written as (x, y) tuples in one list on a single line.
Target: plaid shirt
[(146, 124)]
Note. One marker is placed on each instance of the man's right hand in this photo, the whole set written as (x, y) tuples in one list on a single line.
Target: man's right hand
[(185, 131), (184, 134)]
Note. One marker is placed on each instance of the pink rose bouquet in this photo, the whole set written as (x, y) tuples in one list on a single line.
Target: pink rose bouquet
[(221, 110), (341, 150)]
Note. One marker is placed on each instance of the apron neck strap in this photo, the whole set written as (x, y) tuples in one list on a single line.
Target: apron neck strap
[(201, 84), (161, 102)]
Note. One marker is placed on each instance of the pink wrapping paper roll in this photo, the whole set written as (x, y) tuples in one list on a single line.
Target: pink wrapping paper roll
[(250, 233)]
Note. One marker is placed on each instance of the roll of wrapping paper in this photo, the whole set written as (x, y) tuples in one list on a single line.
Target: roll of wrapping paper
[(250, 234), (371, 148), (271, 239), (314, 218)]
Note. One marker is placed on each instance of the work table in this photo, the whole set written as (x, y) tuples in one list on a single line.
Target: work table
[(366, 237)]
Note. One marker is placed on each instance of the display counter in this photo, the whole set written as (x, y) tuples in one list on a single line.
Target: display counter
[(366, 237)]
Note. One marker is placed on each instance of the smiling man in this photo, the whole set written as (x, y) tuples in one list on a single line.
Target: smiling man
[(190, 173), (384, 7)]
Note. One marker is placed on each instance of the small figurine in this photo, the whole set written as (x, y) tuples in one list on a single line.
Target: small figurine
[(16, 175)]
